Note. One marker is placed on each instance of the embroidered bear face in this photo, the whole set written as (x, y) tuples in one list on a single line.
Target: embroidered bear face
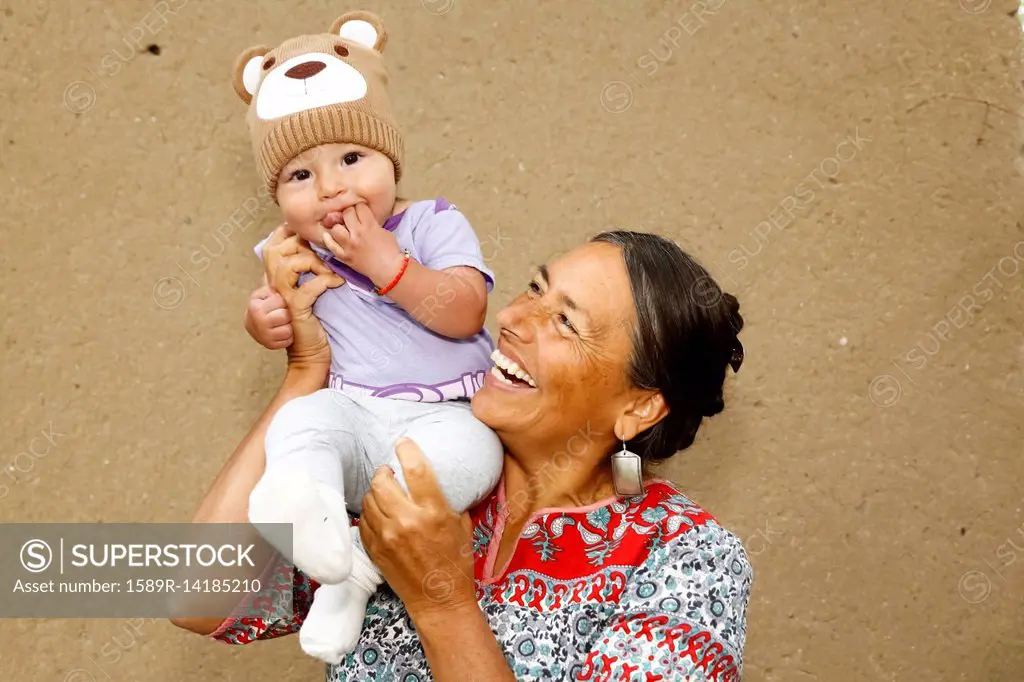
[(313, 71)]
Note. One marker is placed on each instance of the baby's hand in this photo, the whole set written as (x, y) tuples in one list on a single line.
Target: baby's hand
[(360, 243), (267, 319)]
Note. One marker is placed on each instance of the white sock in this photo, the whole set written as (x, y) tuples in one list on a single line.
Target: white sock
[(335, 621), (321, 544)]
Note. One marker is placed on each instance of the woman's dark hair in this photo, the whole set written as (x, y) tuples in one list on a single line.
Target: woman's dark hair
[(684, 339)]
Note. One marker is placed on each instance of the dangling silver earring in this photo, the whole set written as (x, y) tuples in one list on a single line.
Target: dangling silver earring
[(627, 473)]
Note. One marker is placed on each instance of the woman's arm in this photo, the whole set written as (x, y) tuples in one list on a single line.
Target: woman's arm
[(460, 646)]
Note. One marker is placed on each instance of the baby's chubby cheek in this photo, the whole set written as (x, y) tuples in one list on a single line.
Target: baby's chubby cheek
[(382, 211)]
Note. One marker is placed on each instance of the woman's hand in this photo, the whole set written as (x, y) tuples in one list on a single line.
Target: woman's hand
[(285, 257), (420, 544), (424, 549)]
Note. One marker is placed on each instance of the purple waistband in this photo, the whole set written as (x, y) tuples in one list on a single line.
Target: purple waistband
[(462, 387)]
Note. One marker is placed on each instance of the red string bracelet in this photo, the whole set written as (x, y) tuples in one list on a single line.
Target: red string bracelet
[(391, 285)]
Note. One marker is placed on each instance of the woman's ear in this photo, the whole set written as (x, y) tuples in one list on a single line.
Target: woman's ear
[(645, 411), (651, 410)]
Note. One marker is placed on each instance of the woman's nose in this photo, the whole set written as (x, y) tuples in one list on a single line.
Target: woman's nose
[(519, 318)]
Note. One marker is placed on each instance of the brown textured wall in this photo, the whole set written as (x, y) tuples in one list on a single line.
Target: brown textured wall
[(871, 451)]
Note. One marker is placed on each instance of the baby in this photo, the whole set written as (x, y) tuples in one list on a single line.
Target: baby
[(408, 347)]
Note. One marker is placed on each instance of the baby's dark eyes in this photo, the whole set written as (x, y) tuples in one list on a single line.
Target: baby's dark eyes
[(303, 174)]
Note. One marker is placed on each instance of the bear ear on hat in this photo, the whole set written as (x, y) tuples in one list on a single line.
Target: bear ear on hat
[(248, 71), (362, 28)]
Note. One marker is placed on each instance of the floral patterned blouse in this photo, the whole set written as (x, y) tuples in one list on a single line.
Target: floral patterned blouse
[(648, 588)]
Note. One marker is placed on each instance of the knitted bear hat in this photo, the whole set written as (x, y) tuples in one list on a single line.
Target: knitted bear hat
[(318, 89)]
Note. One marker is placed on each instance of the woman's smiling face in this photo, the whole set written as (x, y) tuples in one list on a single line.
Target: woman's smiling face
[(568, 333)]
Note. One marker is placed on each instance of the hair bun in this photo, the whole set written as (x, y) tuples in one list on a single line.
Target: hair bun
[(736, 322), (714, 406), (737, 356)]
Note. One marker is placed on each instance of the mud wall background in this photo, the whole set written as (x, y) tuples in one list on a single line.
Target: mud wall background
[(851, 171)]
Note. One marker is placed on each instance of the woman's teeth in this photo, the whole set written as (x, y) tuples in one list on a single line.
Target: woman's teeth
[(510, 366), (501, 377)]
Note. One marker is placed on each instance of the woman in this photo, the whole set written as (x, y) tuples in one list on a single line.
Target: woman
[(625, 342)]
